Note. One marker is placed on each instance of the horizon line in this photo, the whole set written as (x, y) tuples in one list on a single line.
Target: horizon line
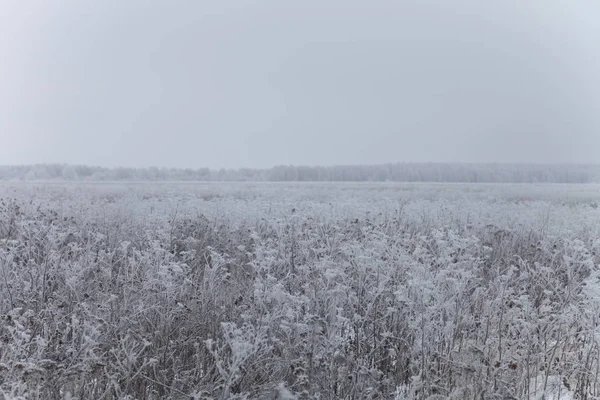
[(487, 163)]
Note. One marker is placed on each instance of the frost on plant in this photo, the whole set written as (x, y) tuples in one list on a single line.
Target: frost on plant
[(334, 291)]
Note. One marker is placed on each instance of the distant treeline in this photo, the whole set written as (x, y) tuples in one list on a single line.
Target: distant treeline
[(393, 172)]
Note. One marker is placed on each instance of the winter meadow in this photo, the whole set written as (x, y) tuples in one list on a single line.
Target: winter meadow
[(299, 291), (300, 200)]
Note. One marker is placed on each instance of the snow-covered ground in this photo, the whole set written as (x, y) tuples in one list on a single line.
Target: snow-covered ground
[(313, 290)]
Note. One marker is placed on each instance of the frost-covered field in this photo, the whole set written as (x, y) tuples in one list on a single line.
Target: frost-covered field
[(331, 291)]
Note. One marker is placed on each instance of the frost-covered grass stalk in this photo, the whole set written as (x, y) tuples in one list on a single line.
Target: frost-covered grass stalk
[(299, 291)]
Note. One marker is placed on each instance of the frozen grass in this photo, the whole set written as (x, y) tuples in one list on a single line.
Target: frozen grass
[(289, 291)]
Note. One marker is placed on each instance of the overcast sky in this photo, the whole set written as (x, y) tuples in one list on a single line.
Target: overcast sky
[(318, 82)]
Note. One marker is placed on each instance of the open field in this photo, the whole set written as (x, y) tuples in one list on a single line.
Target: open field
[(304, 290)]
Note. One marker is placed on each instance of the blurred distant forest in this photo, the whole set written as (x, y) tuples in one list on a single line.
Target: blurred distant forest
[(392, 172)]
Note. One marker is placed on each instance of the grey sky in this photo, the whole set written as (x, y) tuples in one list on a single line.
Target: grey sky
[(259, 83)]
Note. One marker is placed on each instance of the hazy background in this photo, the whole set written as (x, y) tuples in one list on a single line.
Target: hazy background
[(255, 84)]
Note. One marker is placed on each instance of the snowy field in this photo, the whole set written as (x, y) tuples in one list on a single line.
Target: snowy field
[(299, 291)]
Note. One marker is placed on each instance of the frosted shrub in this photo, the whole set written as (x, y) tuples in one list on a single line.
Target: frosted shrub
[(353, 292)]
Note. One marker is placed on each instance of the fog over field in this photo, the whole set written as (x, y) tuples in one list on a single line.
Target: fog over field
[(336, 82), (333, 199)]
